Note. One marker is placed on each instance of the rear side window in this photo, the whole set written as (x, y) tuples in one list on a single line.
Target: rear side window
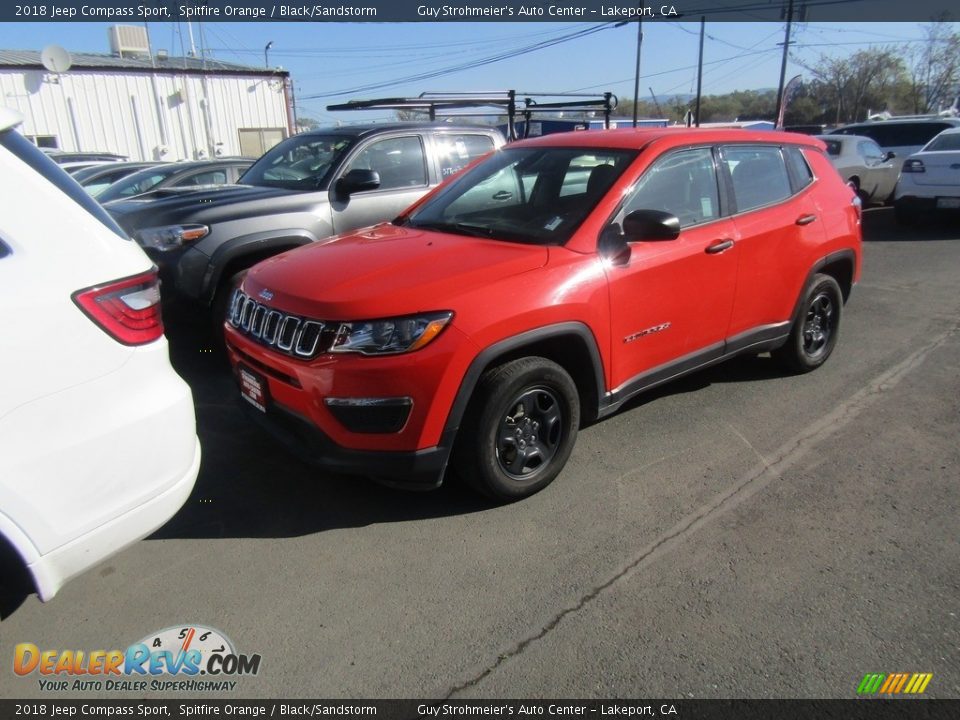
[(683, 183), (759, 175), (457, 151), (38, 161), (211, 177), (945, 142), (833, 147), (800, 173)]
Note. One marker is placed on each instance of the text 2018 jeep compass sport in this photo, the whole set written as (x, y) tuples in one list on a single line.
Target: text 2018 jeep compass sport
[(542, 287)]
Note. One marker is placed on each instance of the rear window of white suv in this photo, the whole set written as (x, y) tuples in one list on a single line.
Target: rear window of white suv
[(945, 141), (38, 160)]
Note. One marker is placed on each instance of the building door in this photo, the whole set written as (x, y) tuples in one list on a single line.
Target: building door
[(254, 142)]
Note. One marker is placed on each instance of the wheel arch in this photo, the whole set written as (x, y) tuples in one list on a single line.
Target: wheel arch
[(246, 251), (840, 266), (571, 345)]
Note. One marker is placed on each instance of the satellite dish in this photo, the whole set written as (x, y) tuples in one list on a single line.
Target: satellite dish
[(56, 59)]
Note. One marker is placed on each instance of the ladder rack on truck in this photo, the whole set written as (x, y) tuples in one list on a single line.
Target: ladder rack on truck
[(515, 105)]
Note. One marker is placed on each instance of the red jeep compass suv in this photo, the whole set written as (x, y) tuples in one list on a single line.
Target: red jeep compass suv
[(541, 287)]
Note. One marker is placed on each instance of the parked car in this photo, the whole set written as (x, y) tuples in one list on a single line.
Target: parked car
[(97, 178), (902, 137), (62, 157), (548, 284), (98, 445), (930, 179), (306, 188), (861, 162), (190, 174)]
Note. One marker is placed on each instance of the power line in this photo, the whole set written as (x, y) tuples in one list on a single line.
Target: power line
[(465, 66), (674, 70)]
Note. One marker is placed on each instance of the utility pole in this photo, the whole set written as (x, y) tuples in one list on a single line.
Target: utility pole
[(783, 62), (636, 79), (703, 26), (266, 54)]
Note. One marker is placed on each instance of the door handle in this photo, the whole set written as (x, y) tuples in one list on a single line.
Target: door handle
[(502, 195), (806, 219), (719, 246)]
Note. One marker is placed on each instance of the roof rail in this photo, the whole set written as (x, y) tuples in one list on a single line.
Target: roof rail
[(522, 105)]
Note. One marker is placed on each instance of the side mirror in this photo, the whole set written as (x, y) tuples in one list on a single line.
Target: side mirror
[(651, 225), (613, 246), (889, 156), (357, 180)]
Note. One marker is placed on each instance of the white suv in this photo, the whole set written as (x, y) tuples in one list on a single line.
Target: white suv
[(98, 442)]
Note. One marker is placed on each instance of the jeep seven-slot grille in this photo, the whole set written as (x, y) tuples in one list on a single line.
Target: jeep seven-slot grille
[(290, 334)]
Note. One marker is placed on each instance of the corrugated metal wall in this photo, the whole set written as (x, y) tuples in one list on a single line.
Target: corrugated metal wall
[(139, 115)]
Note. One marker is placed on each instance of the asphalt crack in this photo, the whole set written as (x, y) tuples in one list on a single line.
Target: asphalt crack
[(751, 483)]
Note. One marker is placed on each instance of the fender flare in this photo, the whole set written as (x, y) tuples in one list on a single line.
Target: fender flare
[(502, 347), (254, 243), (817, 267)]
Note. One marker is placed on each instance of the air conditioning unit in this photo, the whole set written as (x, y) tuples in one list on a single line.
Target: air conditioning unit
[(128, 41)]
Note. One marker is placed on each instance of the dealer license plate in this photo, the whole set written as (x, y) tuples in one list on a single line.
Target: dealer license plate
[(253, 388), (948, 203)]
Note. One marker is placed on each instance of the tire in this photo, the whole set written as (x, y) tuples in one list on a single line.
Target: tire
[(816, 329), (863, 195), (520, 429)]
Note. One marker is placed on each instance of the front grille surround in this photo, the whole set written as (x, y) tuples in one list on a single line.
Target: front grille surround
[(287, 333)]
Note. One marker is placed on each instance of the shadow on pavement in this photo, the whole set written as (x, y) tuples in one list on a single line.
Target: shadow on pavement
[(879, 225), (15, 582), (251, 486)]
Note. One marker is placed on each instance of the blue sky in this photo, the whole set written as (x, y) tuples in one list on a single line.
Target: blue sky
[(326, 59)]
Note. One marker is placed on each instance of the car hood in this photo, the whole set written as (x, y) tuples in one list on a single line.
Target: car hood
[(170, 206), (386, 271)]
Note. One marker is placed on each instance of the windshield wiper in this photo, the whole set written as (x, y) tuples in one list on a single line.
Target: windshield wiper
[(457, 228)]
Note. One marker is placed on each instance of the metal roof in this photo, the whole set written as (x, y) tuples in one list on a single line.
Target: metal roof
[(30, 59)]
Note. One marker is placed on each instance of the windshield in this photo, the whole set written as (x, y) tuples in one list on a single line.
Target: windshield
[(137, 183), (303, 162), (531, 195), (944, 141)]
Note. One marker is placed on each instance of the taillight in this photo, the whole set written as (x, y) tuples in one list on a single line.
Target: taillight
[(128, 309), (913, 166)]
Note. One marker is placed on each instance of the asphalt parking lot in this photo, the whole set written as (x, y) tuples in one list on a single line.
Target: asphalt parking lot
[(738, 533)]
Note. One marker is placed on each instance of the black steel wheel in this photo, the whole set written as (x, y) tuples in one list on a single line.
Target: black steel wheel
[(816, 329), (519, 430)]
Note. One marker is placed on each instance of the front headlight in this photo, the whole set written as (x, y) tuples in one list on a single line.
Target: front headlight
[(170, 237), (394, 335)]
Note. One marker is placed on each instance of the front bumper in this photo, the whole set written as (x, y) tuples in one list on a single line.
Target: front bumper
[(414, 470), (326, 410)]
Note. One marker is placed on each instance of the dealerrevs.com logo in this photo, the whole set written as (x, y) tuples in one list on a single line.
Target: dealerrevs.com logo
[(188, 658)]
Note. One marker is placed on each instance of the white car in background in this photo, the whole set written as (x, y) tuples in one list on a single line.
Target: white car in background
[(930, 180), (98, 442), (862, 163)]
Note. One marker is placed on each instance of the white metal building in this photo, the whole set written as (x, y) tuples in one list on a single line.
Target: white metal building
[(147, 107)]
